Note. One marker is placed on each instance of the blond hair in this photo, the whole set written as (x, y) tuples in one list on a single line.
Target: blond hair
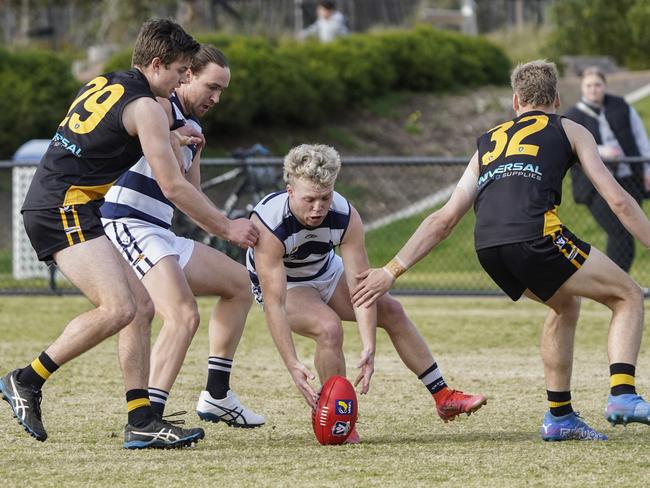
[(535, 83), (317, 163)]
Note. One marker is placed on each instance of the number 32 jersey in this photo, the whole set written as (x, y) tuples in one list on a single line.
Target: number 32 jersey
[(91, 148), (522, 163)]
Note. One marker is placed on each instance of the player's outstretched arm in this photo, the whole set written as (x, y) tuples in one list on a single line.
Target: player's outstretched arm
[(273, 279), (355, 261), (146, 118), (433, 229), (621, 202)]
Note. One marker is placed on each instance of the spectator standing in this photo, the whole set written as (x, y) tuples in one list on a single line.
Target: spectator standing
[(619, 132), (329, 25)]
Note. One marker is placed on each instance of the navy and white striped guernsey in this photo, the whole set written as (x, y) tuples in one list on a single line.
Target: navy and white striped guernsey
[(136, 194), (308, 251)]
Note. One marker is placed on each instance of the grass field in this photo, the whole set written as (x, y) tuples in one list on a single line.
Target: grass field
[(485, 345)]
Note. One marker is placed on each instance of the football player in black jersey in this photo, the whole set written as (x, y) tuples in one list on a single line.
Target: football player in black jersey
[(114, 120), (514, 181)]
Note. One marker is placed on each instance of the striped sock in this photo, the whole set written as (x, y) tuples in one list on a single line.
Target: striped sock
[(433, 380), (38, 371), (139, 407), (559, 402), (158, 399), (218, 376), (621, 379)]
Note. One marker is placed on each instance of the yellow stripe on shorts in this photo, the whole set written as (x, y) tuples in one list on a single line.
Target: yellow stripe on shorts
[(65, 226), (78, 224)]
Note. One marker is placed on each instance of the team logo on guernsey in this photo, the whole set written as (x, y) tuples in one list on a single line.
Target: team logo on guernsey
[(59, 140), (511, 169), (340, 429), (311, 236), (344, 407)]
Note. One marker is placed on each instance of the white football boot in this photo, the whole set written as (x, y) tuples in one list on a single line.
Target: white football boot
[(229, 410)]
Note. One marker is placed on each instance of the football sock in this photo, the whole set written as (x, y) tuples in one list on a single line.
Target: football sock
[(559, 402), (158, 399), (433, 380), (139, 407), (38, 371), (621, 379), (218, 376)]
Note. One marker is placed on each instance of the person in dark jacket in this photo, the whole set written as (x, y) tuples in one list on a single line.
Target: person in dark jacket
[(619, 132)]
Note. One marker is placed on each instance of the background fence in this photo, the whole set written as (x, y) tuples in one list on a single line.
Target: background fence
[(392, 194)]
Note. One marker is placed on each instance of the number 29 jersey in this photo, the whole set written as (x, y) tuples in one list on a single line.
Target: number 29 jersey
[(522, 163), (91, 147)]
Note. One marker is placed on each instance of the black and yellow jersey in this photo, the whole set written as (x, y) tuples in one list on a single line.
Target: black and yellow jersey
[(91, 147), (522, 163)]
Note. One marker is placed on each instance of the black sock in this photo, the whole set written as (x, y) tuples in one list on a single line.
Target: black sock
[(38, 371), (218, 376), (559, 402), (139, 408), (158, 399), (433, 380), (621, 379)]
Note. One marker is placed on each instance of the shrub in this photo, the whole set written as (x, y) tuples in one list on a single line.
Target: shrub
[(38, 88), (303, 83), (601, 27)]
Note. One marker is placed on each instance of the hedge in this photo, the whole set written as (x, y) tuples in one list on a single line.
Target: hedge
[(38, 88), (305, 83), (273, 82)]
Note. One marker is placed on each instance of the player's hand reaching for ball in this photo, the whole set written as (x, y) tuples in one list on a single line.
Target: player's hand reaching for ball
[(301, 377), (373, 283), (366, 366)]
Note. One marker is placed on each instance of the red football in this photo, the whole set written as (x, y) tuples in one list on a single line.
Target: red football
[(336, 411)]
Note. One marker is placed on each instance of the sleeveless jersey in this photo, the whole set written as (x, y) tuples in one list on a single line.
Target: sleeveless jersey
[(91, 147), (308, 251), (522, 163), (137, 195)]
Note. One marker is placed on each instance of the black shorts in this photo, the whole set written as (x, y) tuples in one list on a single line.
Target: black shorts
[(541, 265), (54, 229)]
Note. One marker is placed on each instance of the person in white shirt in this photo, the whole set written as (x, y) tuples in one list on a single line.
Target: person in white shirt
[(619, 132), (329, 25)]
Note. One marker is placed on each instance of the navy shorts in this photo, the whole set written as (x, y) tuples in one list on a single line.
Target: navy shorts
[(541, 265)]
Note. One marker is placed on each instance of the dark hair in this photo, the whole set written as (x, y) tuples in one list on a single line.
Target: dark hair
[(593, 70), (164, 39), (208, 54), (328, 4)]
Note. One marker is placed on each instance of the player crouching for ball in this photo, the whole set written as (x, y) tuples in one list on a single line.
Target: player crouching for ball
[(306, 286)]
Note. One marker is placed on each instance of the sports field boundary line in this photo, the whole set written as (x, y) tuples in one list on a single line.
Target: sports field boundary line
[(413, 209)]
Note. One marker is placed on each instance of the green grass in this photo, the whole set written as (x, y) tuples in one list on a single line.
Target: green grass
[(386, 106), (643, 107), (5, 261), (522, 45), (453, 264), (482, 345)]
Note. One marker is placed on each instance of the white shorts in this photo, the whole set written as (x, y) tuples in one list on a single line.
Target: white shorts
[(325, 284), (143, 244)]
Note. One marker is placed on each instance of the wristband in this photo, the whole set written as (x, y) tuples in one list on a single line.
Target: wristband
[(395, 267)]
